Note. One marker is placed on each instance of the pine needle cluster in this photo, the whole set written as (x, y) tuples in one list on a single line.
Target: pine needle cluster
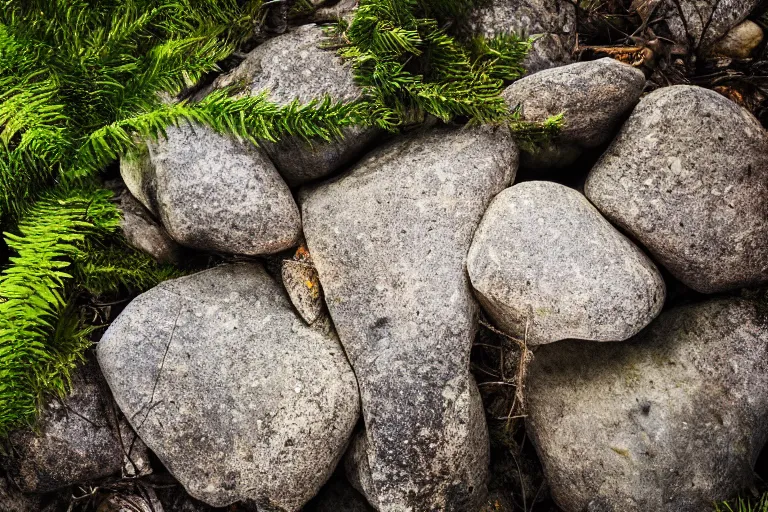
[(410, 66)]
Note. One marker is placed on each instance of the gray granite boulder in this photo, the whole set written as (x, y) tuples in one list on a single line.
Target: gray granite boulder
[(698, 24), (593, 96), (687, 177), (389, 240), (214, 193), (552, 21), (544, 261), (144, 233), (295, 66), (233, 392), (671, 420), (79, 438)]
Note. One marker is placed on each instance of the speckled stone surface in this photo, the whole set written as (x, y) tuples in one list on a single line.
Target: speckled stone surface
[(546, 263), (389, 240), (215, 193), (144, 233), (295, 66), (672, 420), (687, 177), (236, 395), (593, 96), (79, 439)]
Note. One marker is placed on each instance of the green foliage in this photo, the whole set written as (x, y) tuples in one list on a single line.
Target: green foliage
[(79, 80), (70, 67), (66, 232), (744, 505), (251, 118), (410, 66)]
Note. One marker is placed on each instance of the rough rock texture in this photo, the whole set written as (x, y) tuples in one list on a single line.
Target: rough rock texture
[(671, 420), (687, 176), (739, 42), (79, 438), (594, 96), (553, 20), (702, 22), (544, 261), (144, 233), (231, 390), (303, 287), (294, 66), (214, 193), (389, 240)]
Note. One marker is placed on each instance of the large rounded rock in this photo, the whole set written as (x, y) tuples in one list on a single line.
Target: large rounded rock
[(78, 439), (232, 391), (594, 96), (671, 420), (295, 66), (687, 176), (389, 240), (213, 192), (546, 263), (552, 21)]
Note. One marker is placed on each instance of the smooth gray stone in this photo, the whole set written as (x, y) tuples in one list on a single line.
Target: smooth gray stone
[(215, 193), (144, 233), (672, 420), (236, 395), (593, 96), (687, 177), (546, 266), (389, 240)]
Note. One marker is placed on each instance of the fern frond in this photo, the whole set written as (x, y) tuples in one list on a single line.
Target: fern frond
[(109, 269), (409, 65), (33, 297)]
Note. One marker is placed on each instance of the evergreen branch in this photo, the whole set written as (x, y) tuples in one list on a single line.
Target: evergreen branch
[(410, 66), (33, 291), (252, 118), (106, 270), (530, 136), (501, 56)]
